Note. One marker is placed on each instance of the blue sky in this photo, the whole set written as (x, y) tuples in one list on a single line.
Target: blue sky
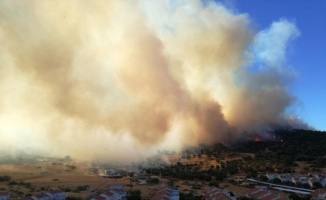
[(306, 54)]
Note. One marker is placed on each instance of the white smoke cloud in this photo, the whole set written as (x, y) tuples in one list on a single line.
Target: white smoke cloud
[(270, 45), (118, 80)]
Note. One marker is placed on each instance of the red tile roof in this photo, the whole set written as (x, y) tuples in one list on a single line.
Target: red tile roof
[(100, 198), (54, 191), (215, 193), (219, 196), (260, 194), (163, 193), (4, 193), (41, 195), (269, 197), (108, 193), (253, 191), (317, 192)]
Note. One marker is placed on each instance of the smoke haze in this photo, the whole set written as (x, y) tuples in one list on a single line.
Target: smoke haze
[(118, 80)]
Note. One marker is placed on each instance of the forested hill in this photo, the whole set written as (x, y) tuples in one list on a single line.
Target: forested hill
[(300, 145)]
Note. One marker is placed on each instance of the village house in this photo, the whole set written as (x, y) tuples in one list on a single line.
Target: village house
[(312, 181), (56, 195), (272, 176), (140, 175), (111, 173), (42, 196), (285, 178), (166, 193), (303, 180), (239, 178), (323, 182), (50, 195), (4, 195), (263, 194), (299, 179), (215, 193), (320, 177), (119, 189), (295, 179), (253, 191), (319, 194), (115, 192), (142, 182), (109, 195)]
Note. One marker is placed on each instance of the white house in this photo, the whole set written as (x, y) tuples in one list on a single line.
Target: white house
[(263, 194), (295, 178), (272, 176), (216, 193), (111, 172), (319, 194), (323, 181), (4, 195), (304, 179), (41, 197), (313, 180), (115, 192), (164, 192), (56, 195), (142, 182), (116, 187), (50, 195), (285, 178)]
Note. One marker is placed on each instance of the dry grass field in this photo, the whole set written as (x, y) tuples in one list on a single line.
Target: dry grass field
[(34, 179), (77, 180), (30, 179)]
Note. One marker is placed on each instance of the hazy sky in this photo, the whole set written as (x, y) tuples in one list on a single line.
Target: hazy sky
[(307, 53)]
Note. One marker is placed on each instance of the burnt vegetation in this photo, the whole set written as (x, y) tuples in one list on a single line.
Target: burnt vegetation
[(296, 146), (253, 158)]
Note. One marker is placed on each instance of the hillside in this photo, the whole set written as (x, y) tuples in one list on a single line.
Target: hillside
[(299, 144), (295, 150), (295, 146)]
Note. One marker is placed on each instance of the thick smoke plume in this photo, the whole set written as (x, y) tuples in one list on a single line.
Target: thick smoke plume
[(118, 80)]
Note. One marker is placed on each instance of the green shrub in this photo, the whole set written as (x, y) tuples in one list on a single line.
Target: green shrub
[(5, 178)]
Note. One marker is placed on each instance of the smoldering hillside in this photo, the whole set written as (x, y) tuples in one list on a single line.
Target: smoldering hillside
[(118, 80)]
